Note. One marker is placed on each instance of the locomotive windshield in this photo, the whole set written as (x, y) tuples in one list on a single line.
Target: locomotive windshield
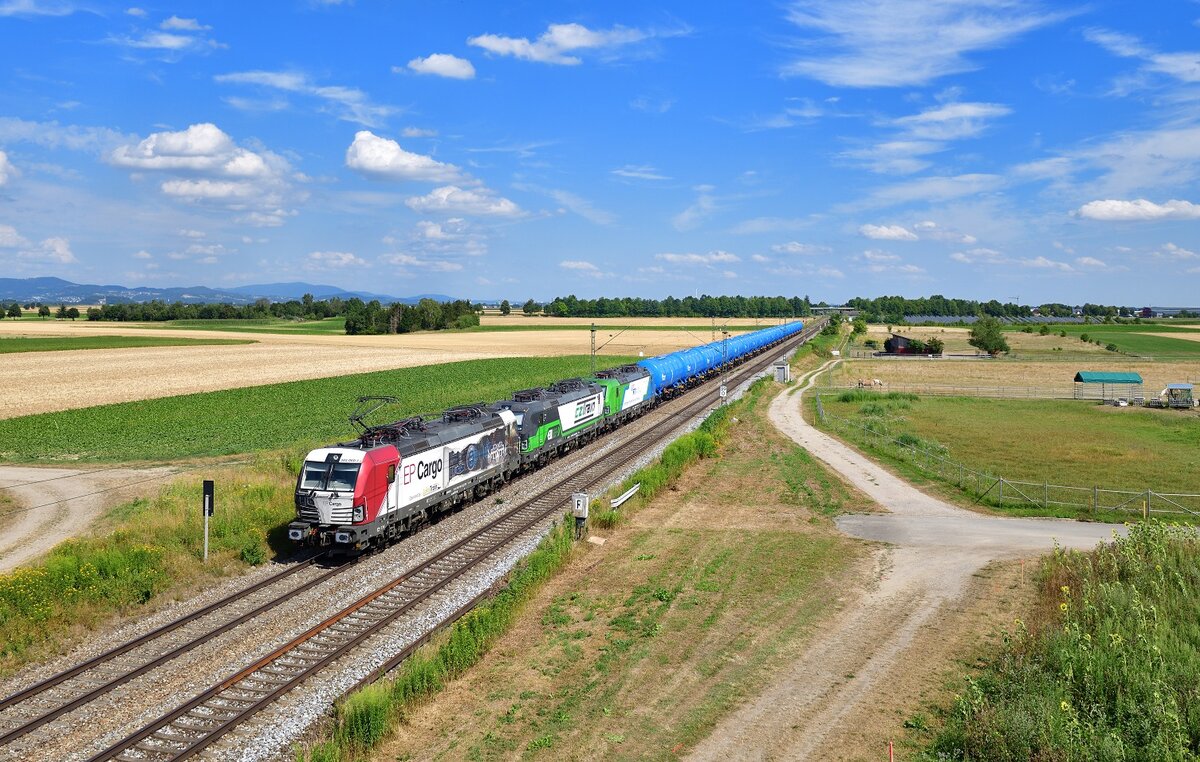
[(338, 477)]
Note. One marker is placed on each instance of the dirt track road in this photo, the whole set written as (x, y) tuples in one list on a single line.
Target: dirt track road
[(53, 504), (934, 550)]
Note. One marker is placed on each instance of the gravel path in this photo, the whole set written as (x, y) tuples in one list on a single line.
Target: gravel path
[(53, 504), (933, 550)]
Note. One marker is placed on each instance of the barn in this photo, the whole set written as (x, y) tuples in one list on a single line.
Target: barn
[(897, 345), (1108, 386)]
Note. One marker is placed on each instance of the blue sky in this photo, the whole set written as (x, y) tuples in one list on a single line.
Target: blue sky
[(974, 148)]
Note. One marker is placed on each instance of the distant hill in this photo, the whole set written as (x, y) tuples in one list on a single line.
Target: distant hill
[(59, 291)]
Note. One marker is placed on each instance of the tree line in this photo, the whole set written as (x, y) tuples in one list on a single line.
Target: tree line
[(893, 309), (688, 306), (426, 315)]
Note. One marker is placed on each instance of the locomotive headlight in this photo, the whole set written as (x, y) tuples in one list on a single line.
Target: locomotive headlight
[(296, 534), (360, 512), (342, 537)]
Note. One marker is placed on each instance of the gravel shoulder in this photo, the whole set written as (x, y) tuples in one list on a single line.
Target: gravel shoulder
[(927, 556)]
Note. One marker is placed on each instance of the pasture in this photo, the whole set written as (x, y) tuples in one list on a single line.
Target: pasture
[(1058, 441), (269, 417)]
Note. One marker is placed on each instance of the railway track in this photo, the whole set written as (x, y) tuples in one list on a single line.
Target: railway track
[(206, 718)]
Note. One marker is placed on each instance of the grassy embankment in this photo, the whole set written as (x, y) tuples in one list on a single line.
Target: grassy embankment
[(636, 648), (1104, 668), (1061, 442), (10, 345), (147, 549), (288, 415)]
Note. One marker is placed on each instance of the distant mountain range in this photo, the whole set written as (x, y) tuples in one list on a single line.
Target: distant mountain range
[(59, 291)]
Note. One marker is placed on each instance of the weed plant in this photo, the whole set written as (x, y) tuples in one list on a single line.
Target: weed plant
[(151, 546), (1107, 667)]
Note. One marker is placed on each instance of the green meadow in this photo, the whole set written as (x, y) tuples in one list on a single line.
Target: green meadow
[(64, 343)]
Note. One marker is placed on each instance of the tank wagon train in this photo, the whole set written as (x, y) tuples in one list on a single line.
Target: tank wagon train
[(372, 491)]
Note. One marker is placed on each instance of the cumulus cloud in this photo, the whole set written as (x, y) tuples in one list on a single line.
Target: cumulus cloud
[(795, 247), (7, 170), (211, 168), (1139, 210), (887, 232), (333, 260), (348, 103), (383, 158), (174, 37), (896, 43), (711, 258), (558, 42), (441, 65), (451, 199)]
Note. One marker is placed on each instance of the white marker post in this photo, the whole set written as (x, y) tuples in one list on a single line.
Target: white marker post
[(208, 511), (579, 508)]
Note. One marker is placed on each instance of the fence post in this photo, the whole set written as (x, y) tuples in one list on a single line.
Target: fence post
[(1095, 498), (1146, 513), (1046, 495), (1001, 491)]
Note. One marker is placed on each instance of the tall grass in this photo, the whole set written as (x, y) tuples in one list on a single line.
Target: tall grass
[(1108, 667), (154, 546)]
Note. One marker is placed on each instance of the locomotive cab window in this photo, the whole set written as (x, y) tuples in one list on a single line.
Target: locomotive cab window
[(329, 476), (391, 473)]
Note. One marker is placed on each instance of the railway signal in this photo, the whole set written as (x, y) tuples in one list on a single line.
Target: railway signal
[(207, 504)]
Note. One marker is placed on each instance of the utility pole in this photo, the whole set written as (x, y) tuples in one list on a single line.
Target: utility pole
[(593, 349)]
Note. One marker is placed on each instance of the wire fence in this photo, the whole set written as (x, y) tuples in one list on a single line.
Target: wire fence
[(1000, 491)]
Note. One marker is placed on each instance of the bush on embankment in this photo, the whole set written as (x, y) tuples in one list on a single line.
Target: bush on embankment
[(1107, 668), (155, 545)]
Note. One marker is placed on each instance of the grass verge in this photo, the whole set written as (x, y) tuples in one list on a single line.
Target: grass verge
[(1072, 443), (64, 343), (148, 549), (1106, 667), (275, 416)]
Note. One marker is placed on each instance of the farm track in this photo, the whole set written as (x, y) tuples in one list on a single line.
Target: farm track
[(203, 720)]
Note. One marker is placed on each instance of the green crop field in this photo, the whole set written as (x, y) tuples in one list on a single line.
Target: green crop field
[(1073, 443), (1135, 339), (334, 325), (275, 416), (699, 331), (10, 345)]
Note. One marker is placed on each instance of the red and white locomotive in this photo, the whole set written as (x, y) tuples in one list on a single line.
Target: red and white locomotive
[(370, 492)]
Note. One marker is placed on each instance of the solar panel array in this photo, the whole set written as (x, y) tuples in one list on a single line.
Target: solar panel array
[(969, 319)]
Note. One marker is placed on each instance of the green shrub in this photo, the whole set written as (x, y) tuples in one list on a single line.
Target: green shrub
[(606, 519), (1111, 347), (1084, 337)]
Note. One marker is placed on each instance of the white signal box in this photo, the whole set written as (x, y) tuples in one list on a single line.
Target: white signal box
[(579, 505)]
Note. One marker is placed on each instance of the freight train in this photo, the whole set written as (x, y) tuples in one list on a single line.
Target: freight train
[(394, 477)]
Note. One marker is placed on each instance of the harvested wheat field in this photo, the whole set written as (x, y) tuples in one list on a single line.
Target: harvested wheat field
[(956, 340), (39, 382)]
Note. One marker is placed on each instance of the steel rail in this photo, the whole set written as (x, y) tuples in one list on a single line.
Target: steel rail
[(203, 720)]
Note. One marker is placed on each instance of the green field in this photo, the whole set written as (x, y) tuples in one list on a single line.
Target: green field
[(275, 416), (1061, 442), (1132, 339), (327, 326), (699, 331), (64, 343)]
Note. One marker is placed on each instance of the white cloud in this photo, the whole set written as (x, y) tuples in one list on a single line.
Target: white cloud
[(418, 132), (35, 8), (1184, 67), (582, 267), (50, 251), (1091, 262), (187, 25), (704, 206), (211, 168), (1042, 263), (136, 12), (951, 121), (55, 135), (383, 158), (711, 258), (349, 103), (582, 207), (441, 65), (1139, 210), (556, 44), (887, 232), (187, 233), (879, 255), (795, 247), (1177, 252), (10, 239), (7, 170), (143, 254), (333, 260), (896, 43), (930, 229), (408, 260), (759, 258), (639, 172), (980, 256), (930, 189), (451, 199), (807, 271), (895, 157)]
